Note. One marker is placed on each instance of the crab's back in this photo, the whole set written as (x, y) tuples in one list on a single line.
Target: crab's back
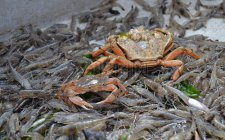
[(142, 50), (90, 81)]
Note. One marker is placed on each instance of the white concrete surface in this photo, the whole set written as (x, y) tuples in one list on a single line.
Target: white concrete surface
[(215, 30)]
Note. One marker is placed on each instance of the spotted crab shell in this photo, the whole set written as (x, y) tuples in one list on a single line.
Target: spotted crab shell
[(143, 50)]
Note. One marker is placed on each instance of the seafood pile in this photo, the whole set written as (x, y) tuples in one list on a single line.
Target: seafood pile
[(55, 84)]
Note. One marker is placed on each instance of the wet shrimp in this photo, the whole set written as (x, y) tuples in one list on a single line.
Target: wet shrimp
[(68, 118), (143, 4), (208, 100), (181, 113), (165, 115), (187, 75), (200, 76), (155, 87), (33, 116), (55, 104), (19, 78), (167, 134), (147, 94), (14, 124), (187, 100), (80, 125), (30, 94), (132, 79), (210, 129), (143, 108), (43, 63), (132, 102), (213, 78), (218, 122)]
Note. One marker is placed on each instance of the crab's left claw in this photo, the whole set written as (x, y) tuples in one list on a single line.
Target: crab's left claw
[(80, 102)]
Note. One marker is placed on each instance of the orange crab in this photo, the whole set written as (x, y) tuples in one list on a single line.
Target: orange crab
[(140, 48), (91, 83)]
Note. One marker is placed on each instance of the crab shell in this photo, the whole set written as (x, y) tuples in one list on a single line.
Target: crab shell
[(144, 45)]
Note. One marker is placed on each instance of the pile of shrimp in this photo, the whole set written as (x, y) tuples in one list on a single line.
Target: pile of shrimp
[(35, 62)]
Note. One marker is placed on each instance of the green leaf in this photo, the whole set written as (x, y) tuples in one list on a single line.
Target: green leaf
[(85, 65), (27, 138), (188, 89), (88, 56), (123, 137), (90, 73)]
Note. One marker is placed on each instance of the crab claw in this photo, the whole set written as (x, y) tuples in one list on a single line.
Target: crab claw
[(112, 97), (80, 102)]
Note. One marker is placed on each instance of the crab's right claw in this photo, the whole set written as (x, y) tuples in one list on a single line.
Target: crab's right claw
[(80, 102)]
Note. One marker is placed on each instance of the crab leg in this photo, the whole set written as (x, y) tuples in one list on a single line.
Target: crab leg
[(106, 53), (151, 63), (80, 102), (110, 65), (167, 63), (114, 60), (96, 63), (117, 50), (181, 51), (101, 50), (167, 49), (113, 96), (119, 60), (110, 72), (116, 81), (172, 63), (112, 82)]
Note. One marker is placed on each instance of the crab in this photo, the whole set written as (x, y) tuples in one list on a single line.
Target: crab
[(140, 48), (91, 83)]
